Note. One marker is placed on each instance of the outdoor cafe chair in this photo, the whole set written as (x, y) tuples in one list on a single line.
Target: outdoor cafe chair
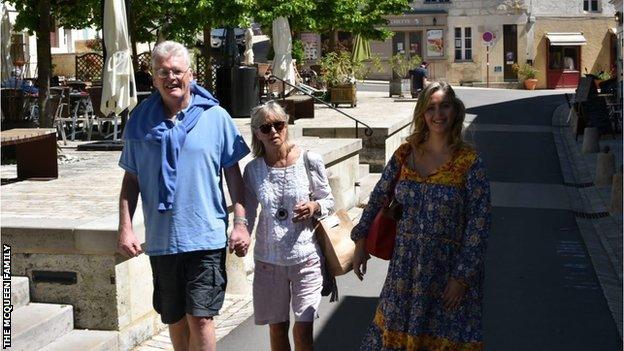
[(95, 93), (73, 111)]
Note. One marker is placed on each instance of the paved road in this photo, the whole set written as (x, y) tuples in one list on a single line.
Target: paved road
[(541, 292)]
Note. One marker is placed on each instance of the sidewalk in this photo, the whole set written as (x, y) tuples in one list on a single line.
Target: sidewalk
[(601, 230)]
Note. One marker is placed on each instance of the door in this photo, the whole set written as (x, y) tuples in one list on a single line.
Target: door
[(415, 40), (510, 51)]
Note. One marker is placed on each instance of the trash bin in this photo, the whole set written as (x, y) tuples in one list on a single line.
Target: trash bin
[(237, 89)]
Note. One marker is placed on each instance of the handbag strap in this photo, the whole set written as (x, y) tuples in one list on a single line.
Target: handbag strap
[(306, 161)]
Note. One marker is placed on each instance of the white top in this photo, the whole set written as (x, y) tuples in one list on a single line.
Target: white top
[(283, 242)]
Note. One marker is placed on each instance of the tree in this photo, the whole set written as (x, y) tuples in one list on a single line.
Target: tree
[(364, 17)]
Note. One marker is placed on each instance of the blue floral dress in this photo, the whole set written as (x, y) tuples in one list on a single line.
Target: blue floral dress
[(442, 234)]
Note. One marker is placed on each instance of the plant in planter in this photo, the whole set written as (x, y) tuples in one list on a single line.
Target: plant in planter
[(528, 74), (339, 75), (599, 75), (401, 65)]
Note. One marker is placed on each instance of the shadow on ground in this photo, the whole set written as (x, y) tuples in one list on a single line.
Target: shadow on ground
[(347, 325)]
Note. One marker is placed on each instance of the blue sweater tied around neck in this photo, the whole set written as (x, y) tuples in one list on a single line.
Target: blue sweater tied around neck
[(153, 126)]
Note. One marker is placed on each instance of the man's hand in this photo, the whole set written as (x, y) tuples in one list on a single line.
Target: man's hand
[(128, 244), (360, 256), (305, 210), (239, 240), (453, 293)]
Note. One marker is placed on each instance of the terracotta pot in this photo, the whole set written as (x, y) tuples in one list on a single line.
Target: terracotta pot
[(529, 84)]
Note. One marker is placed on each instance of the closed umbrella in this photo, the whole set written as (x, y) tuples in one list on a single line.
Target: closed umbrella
[(282, 46), (7, 64), (118, 91), (361, 49)]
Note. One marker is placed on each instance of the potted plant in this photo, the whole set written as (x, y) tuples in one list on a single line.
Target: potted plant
[(337, 70), (528, 74), (401, 65), (599, 76)]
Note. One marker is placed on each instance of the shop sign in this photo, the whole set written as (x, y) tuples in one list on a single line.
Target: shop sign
[(404, 22)]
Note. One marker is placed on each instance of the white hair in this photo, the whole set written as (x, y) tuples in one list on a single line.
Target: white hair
[(168, 49)]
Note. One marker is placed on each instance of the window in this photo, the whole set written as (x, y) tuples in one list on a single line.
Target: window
[(590, 5), (463, 44)]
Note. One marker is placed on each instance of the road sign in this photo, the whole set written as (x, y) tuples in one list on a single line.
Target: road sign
[(488, 38)]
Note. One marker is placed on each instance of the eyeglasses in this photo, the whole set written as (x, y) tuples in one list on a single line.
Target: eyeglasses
[(164, 73), (266, 128)]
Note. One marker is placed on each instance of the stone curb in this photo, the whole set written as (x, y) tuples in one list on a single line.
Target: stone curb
[(586, 198)]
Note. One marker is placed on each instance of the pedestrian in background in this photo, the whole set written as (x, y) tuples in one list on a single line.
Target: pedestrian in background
[(433, 291), (287, 255), (178, 143), (143, 79), (419, 78)]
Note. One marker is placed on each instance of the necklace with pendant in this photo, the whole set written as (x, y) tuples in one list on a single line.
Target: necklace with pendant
[(282, 213)]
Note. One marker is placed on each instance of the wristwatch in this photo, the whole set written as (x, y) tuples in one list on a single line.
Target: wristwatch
[(241, 220)]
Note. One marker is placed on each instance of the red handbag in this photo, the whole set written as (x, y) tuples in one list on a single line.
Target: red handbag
[(382, 232)]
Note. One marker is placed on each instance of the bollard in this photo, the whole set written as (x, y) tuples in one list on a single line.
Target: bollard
[(616, 192), (605, 167), (590, 140)]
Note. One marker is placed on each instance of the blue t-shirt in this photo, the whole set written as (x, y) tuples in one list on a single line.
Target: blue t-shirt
[(198, 220)]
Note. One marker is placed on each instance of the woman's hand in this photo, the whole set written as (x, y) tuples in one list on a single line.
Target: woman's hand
[(360, 256), (305, 210), (453, 293)]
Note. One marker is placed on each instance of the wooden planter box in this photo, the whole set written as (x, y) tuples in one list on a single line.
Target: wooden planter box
[(343, 94)]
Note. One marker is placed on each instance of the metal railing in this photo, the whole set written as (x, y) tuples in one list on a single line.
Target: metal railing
[(368, 131)]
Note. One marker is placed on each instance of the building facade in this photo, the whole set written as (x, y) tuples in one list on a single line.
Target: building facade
[(468, 41)]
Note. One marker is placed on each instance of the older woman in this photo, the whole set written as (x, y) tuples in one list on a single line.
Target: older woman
[(431, 299), (288, 258)]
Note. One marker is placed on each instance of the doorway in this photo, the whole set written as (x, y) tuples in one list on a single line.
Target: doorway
[(510, 51)]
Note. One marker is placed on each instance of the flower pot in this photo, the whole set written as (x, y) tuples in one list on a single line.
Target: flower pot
[(529, 84), (343, 94)]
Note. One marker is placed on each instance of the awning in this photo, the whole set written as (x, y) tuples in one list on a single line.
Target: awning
[(566, 39)]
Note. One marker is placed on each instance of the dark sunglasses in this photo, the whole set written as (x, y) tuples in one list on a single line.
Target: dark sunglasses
[(266, 128)]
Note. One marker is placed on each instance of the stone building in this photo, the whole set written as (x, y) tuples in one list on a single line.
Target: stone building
[(475, 42)]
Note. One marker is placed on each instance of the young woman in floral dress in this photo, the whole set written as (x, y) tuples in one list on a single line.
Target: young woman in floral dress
[(432, 296)]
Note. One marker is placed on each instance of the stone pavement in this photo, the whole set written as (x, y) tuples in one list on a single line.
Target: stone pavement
[(236, 308), (600, 227)]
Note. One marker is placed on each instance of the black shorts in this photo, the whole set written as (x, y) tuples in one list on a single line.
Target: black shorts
[(189, 283)]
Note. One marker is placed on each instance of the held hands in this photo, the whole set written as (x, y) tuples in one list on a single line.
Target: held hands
[(360, 256), (305, 210), (453, 293), (127, 244), (239, 240)]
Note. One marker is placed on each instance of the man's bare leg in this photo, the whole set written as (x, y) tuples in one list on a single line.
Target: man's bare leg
[(202, 333), (179, 333)]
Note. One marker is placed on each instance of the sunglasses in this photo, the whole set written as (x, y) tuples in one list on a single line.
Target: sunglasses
[(266, 128)]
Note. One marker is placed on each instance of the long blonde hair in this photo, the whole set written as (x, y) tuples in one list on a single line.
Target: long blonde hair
[(259, 115), (419, 129)]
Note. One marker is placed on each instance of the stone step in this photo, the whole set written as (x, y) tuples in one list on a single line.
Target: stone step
[(20, 292), (85, 340), (364, 170), (367, 184), (36, 325)]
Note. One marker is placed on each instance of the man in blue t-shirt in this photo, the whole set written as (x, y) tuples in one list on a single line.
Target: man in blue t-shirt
[(419, 78), (178, 144)]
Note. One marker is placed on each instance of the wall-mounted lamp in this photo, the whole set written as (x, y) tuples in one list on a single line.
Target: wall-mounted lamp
[(435, 21), (618, 17)]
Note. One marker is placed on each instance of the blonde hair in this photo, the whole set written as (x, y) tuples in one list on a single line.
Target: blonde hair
[(259, 115), (419, 129)]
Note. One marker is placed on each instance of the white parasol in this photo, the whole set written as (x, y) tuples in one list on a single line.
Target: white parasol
[(5, 27), (119, 90), (282, 45)]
